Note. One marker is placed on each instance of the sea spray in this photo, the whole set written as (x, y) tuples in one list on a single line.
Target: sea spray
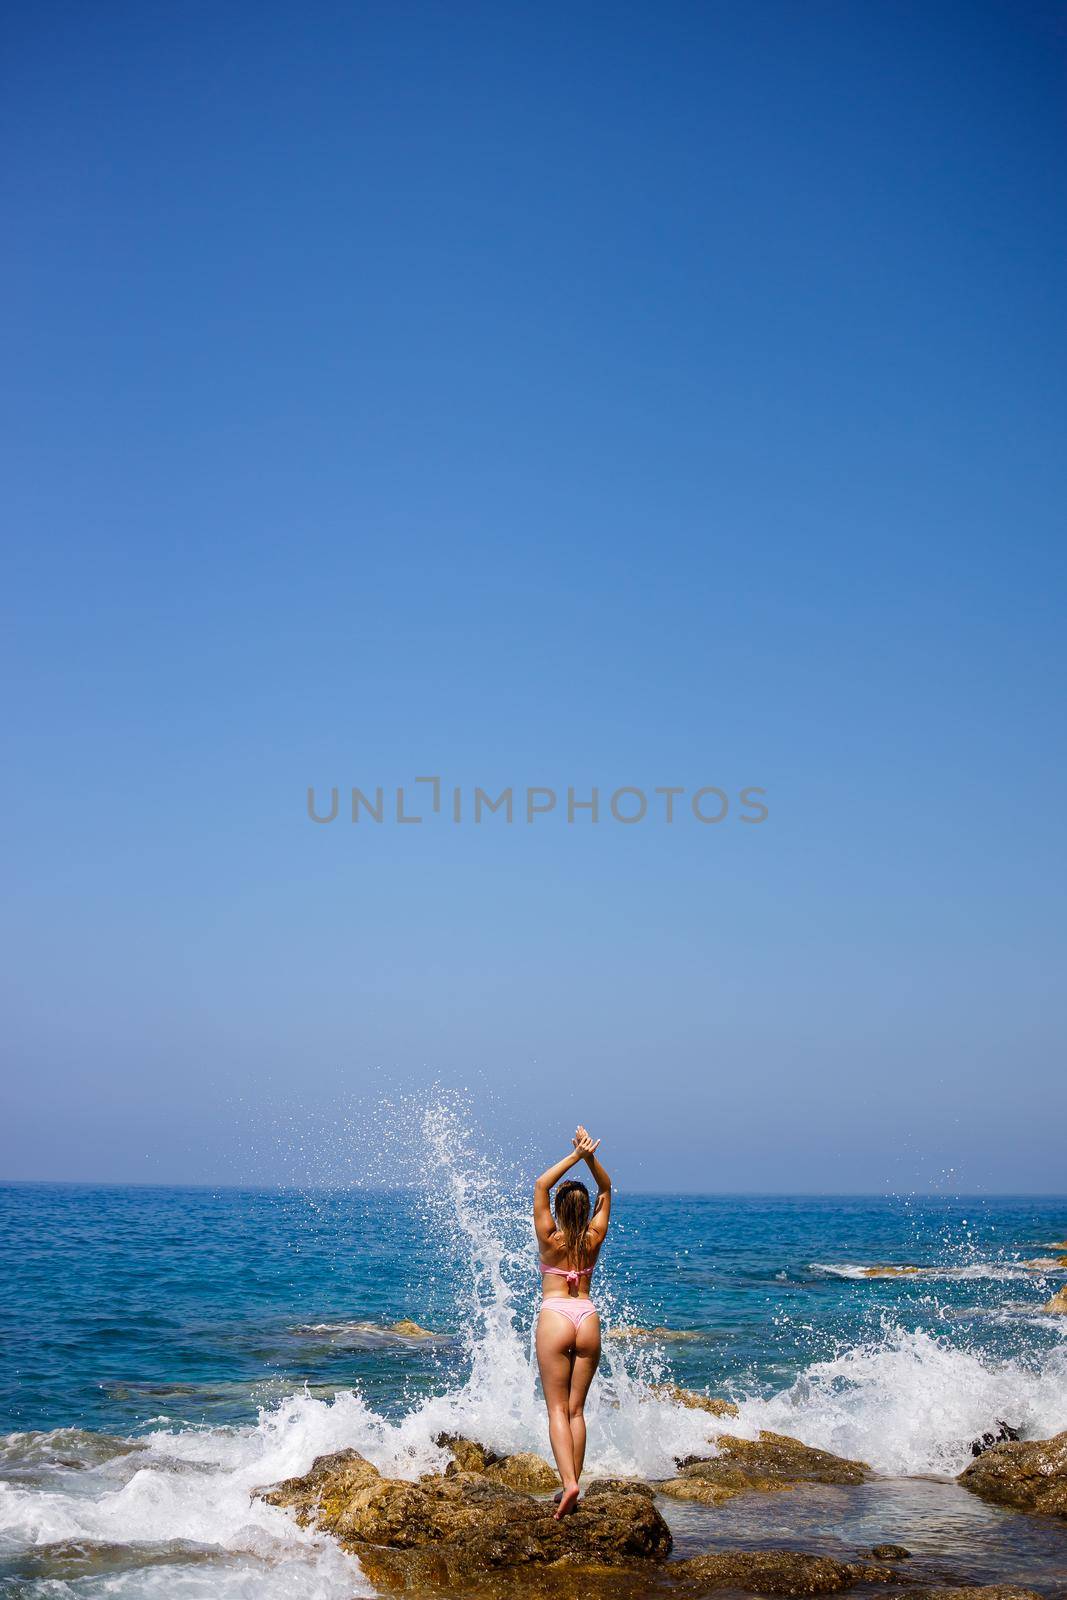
[(910, 1402)]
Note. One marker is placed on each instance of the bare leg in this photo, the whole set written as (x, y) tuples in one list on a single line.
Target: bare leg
[(585, 1362), (555, 1350)]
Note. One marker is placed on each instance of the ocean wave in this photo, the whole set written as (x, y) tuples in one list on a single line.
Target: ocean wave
[(910, 1402)]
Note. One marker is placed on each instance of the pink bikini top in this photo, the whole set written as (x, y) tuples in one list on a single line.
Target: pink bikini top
[(561, 1272)]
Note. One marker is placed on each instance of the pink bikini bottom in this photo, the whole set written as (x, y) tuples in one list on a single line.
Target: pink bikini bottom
[(575, 1308)]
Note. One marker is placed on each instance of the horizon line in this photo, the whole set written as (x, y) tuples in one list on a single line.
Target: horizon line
[(278, 1187)]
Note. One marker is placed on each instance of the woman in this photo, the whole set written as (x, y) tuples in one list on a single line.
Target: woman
[(568, 1328)]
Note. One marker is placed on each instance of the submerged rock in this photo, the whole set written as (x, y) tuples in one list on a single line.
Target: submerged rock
[(407, 1329), (773, 1461), (789, 1572), (890, 1552), (993, 1591), (886, 1270), (1031, 1476), (451, 1528), (1058, 1304), (694, 1401), (660, 1334)]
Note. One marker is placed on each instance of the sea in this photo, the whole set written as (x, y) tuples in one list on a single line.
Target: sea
[(164, 1352)]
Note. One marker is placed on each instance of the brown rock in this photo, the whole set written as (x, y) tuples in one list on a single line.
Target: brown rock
[(890, 1552), (788, 1572), (331, 1477), (620, 1486), (695, 1402), (706, 1492), (526, 1472), (450, 1529), (887, 1271), (773, 1461), (467, 1454), (1030, 1475), (411, 1330), (993, 1591), (1058, 1303), (778, 1458)]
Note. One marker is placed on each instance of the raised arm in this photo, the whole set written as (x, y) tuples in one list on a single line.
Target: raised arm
[(587, 1149), (544, 1226)]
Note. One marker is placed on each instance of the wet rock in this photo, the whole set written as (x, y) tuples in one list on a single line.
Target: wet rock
[(885, 1270), (620, 1486), (788, 1572), (993, 1591), (467, 1454), (772, 1461), (1031, 1476), (890, 1552), (450, 1529), (411, 1330), (525, 1471), (694, 1401), (1004, 1433), (1058, 1304), (331, 1478)]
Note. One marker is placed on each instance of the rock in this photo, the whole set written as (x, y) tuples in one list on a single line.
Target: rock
[(450, 1528), (524, 1470), (467, 1454), (887, 1271), (773, 1461), (1004, 1432), (788, 1572), (890, 1552), (1058, 1304), (620, 1486), (411, 1330), (993, 1591), (1031, 1476), (331, 1478), (694, 1401), (668, 1335)]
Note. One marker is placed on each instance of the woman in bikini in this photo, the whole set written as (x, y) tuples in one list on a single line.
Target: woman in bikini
[(568, 1328)]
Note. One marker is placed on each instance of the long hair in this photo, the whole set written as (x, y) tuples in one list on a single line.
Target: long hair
[(572, 1219)]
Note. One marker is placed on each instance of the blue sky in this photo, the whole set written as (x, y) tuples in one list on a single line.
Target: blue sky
[(599, 395)]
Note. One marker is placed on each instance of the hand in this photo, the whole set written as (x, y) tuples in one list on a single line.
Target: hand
[(584, 1145)]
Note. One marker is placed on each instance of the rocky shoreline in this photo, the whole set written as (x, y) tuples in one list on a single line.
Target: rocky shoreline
[(485, 1525)]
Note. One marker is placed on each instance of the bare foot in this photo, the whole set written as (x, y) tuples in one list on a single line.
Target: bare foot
[(567, 1501)]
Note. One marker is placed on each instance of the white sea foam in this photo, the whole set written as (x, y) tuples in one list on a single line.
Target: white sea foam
[(911, 1402)]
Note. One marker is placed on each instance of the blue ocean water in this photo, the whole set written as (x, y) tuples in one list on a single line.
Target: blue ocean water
[(118, 1299), (167, 1351)]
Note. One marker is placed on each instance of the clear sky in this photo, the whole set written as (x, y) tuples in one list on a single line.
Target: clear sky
[(537, 395)]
